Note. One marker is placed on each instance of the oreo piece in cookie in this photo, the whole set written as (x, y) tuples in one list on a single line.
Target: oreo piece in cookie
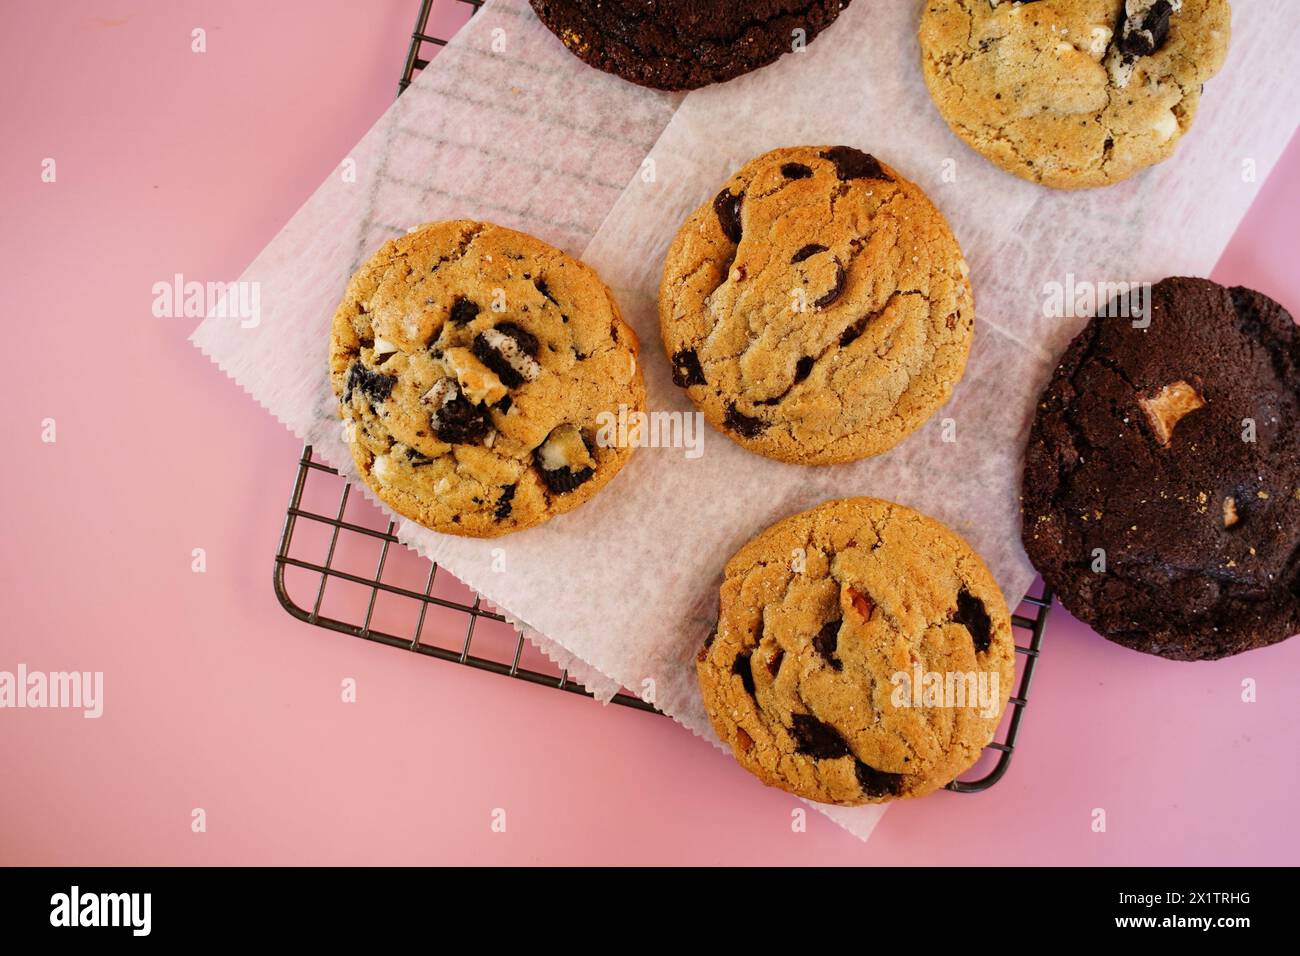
[(1161, 490), (684, 44), (468, 361)]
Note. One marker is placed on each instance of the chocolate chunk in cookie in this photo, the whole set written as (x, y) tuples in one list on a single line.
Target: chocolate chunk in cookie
[(826, 641), (747, 426), (455, 419), (971, 615), (877, 783), (686, 369), (727, 208), (816, 739), (853, 163)]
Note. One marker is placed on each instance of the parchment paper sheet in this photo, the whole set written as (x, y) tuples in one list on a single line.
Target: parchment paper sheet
[(505, 125)]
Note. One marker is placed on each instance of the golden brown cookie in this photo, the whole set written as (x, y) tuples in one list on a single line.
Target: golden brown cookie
[(472, 365), (836, 626), (818, 308), (1072, 93)]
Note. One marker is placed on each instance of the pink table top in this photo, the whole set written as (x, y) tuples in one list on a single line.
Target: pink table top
[(169, 161)]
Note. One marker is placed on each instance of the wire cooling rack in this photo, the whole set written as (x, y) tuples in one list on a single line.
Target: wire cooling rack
[(336, 567)]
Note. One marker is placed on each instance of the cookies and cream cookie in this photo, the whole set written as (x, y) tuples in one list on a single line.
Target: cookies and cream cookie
[(1072, 93), (471, 364)]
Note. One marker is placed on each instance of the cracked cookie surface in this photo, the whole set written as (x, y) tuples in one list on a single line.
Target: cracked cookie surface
[(684, 44), (1174, 453), (818, 308), (1072, 93), (471, 363), (818, 616)]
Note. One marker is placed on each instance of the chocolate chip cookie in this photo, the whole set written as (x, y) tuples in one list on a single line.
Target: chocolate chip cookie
[(863, 653), (817, 309), (1072, 93), (684, 44), (472, 365), (1162, 479)]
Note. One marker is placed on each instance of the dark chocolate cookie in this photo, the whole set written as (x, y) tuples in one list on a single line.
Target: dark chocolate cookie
[(1162, 479), (684, 44)]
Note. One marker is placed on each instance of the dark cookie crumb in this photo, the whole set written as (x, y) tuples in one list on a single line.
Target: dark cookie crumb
[(494, 360), (540, 285), (561, 481), (1148, 35)]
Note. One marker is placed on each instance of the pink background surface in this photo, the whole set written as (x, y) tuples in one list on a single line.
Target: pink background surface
[(169, 161)]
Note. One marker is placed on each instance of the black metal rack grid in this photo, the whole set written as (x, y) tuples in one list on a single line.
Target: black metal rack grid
[(434, 606)]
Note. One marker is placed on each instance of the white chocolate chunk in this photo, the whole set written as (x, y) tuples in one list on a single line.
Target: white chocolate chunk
[(1166, 126), (384, 347), (443, 391), (564, 448), (478, 382)]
